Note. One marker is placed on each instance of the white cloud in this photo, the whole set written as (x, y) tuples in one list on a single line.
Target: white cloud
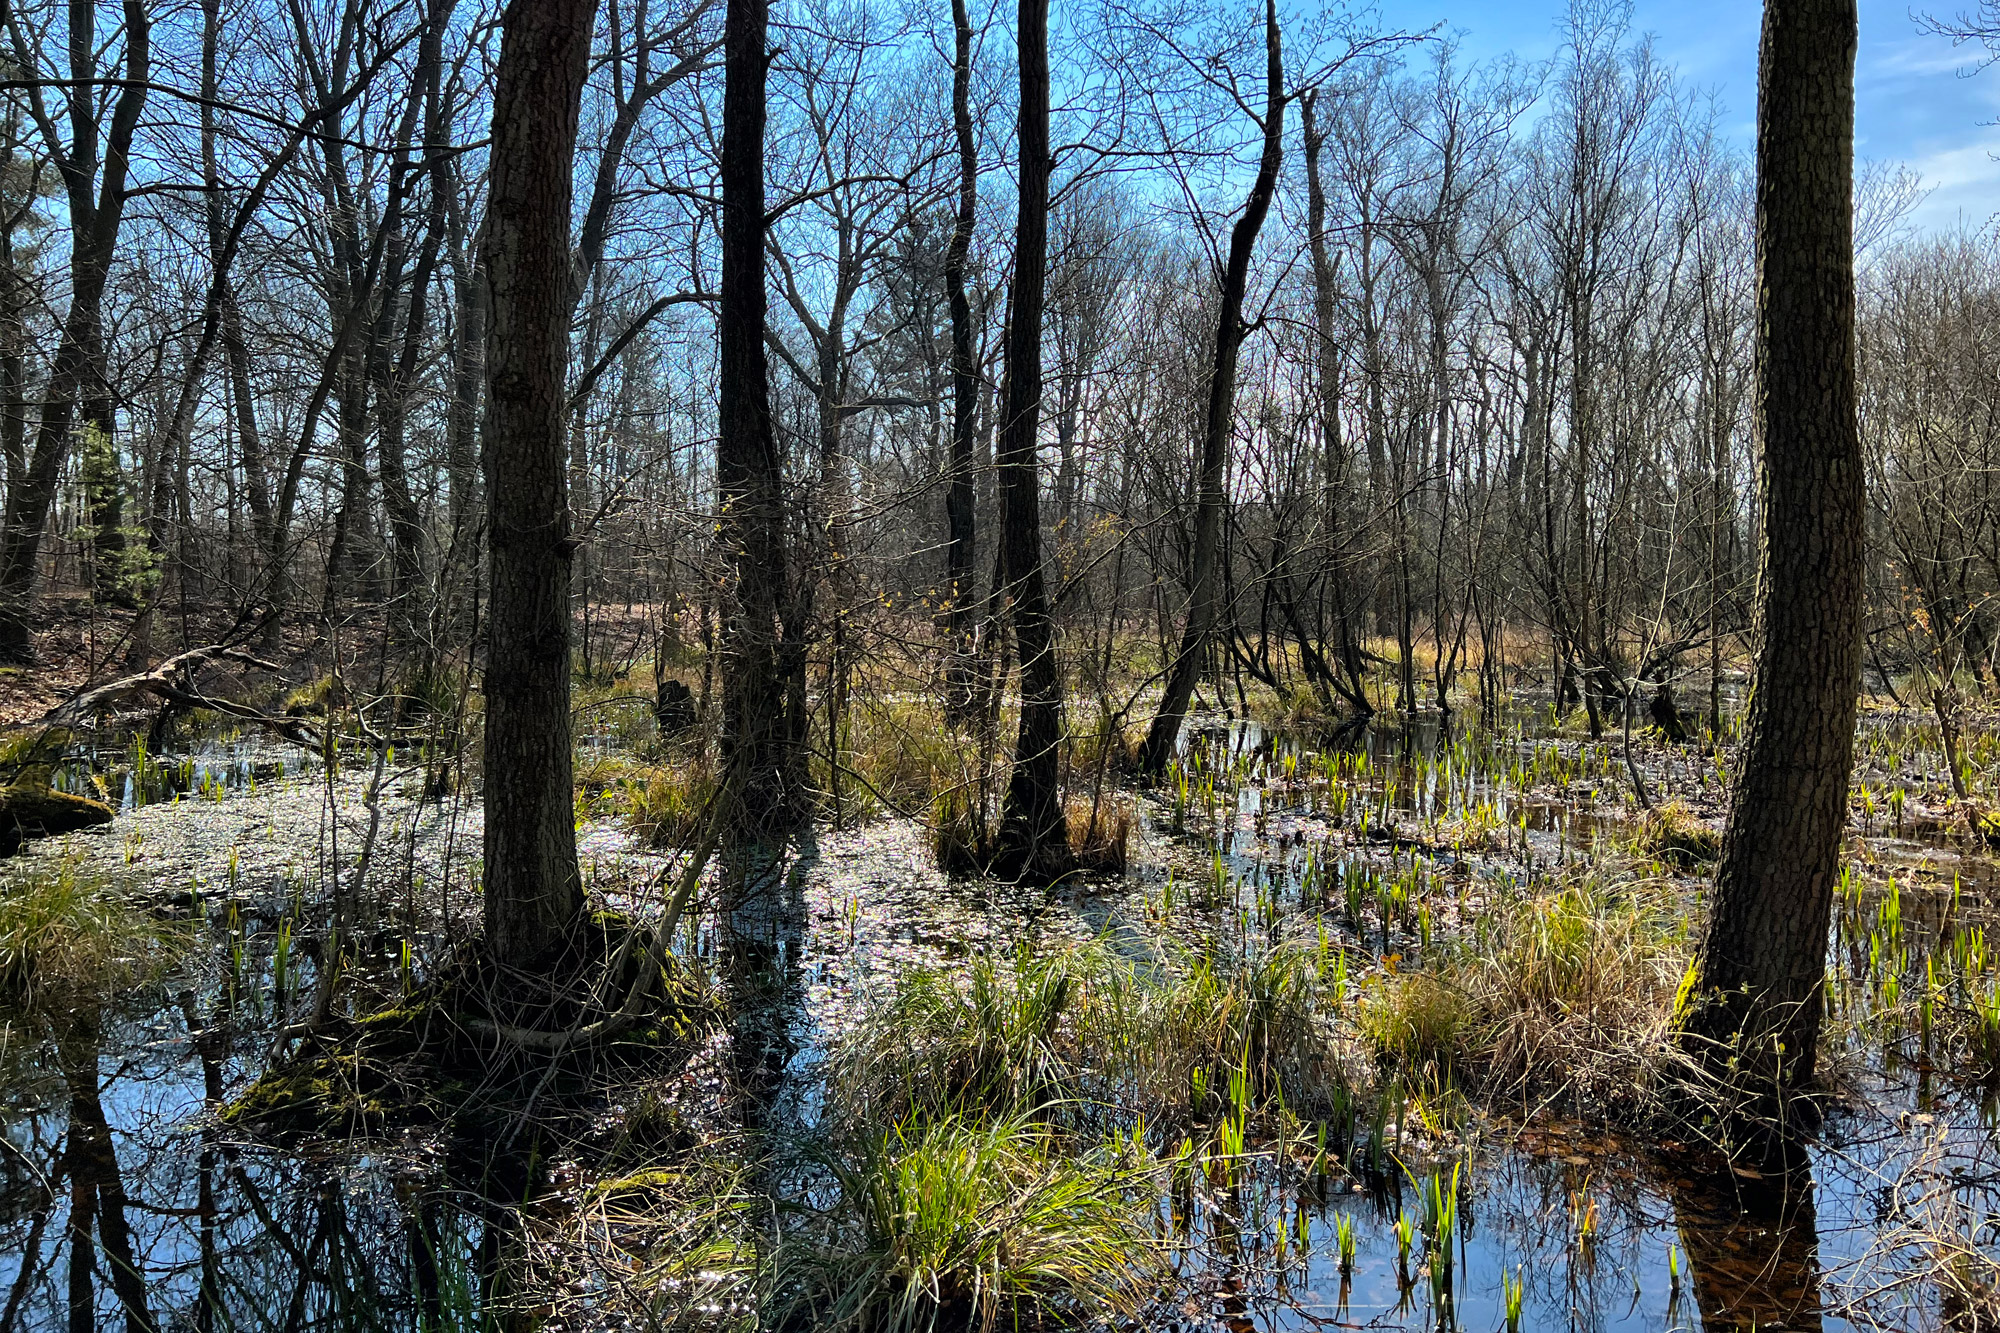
[(1964, 182)]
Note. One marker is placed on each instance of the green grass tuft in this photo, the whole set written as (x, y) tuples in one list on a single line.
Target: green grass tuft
[(64, 930), (1674, 835), (956, 1223)]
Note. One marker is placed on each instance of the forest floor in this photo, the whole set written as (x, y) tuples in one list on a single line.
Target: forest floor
[(1368, 1034)]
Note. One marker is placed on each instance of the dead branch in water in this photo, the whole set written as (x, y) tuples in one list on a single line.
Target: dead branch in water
[(173, 682)]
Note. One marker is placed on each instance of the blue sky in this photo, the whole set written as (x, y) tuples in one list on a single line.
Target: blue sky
[(1911, 104)]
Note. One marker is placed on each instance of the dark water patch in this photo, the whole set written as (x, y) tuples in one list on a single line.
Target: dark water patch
[(412, 1230)]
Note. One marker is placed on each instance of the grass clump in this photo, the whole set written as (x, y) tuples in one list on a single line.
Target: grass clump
[(1270, 1016), (65, 930), (904, 753), (1672, 834), (963, 1223), (1578, 985), (1082, 1035), (1419, 1020), (1563, 997), (1005, 1037), (1100, 834), (663, 804)]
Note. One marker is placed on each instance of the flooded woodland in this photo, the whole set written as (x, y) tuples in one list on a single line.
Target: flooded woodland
[(1367, 1031), (1131, 666)]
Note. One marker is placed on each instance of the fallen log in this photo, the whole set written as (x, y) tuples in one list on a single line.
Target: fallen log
[(173, 682)]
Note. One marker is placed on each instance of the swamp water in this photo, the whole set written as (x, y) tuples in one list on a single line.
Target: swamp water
[(125, 1199)]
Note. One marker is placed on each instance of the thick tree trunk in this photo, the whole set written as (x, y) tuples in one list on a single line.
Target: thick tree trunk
[(1762, 962), (960, 496), (749, 474), (1229, 333), (1034, 840), (533, 886)]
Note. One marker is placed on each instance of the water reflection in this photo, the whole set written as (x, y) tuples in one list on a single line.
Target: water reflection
[(125, 1203), (97, 1191), (1752, 1252), (760, 937)]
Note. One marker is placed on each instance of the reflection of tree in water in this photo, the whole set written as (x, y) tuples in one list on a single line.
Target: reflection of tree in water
[(761, 936), (1753, 1253), (97, 1202), (117, 1215)]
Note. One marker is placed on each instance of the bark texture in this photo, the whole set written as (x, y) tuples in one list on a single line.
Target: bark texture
[(1033, 838), (756, 738), (960, 497), (533, 887), (1758, 989)]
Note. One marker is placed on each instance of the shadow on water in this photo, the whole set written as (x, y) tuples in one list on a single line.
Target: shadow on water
[(761, 941), (1753, 1253), (126, 1202)]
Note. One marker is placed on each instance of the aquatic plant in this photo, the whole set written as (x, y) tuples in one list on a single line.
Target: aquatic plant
[(1421, 1020), (66, 929), (1583, 1214), (956, 1222)]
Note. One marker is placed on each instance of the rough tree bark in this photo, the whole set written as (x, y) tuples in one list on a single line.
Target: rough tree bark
[(1034, 841), (1229, 333), (1757, 990), (749, 473), (960, 496), (533, 886)]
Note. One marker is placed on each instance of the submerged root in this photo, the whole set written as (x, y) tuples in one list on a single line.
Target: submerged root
[(452, 1047)]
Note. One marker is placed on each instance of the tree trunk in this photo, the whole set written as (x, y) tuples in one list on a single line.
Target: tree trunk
[(77, 374), (1762, 961), (1229, 333), (533, 885), (749, 473), (1033, 838), (959, 501)]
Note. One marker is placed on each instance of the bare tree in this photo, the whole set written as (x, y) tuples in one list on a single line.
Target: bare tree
[(1753, 1013), (533, 884)]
